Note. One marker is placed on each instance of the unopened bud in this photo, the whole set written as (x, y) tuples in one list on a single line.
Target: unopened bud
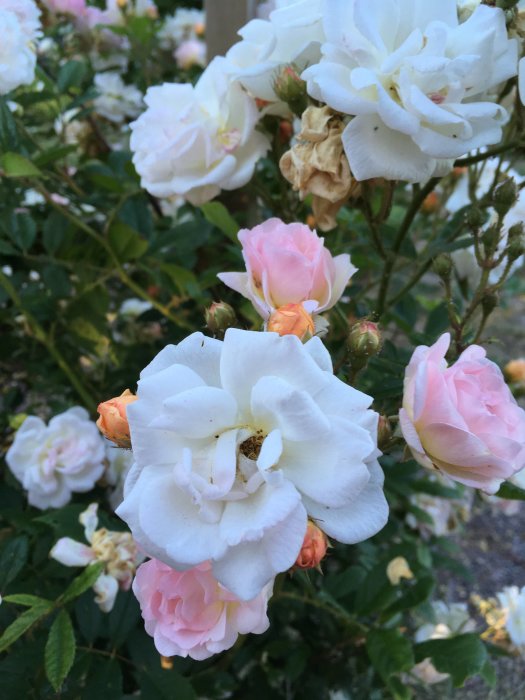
[(475, 218), (314, 547), (285, 131), (516, 244), (489, 302), (442, 266), (491, 238), (505, 196), (219, 317), (515, 370), (364, 339), (289, 88), (431, 203), (292, 319), (113, 421), (384, 432)]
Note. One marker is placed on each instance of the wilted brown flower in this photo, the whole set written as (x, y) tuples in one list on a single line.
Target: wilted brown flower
[(317, 165)]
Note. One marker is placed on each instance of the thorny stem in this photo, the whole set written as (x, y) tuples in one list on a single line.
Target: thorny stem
[(470, 160), (40, 334)]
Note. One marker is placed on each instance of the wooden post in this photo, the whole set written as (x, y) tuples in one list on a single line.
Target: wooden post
[(223, 19)]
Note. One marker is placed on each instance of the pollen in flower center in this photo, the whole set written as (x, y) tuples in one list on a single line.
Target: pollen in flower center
[(251, 447)]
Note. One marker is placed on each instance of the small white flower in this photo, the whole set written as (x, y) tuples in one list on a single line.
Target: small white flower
[(71, 129), (416, 81), (183, 25), (236, 443), (116, 550), (449, 620), (512, 600), (19, 27), (116, 100), (55, 460), (195, 141), (191, 53), (134, 307)]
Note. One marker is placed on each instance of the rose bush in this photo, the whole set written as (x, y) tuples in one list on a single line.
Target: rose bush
[(288, 469)]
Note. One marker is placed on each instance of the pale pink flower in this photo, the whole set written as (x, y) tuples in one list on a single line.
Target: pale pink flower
[(188, 613), (462, 419), (191, 52), (288, 264), (71, 7)]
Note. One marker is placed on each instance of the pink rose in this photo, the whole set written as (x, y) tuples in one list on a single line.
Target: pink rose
[(191, 52), (188, 613), (462, 419), (72, 7), (288, 264)]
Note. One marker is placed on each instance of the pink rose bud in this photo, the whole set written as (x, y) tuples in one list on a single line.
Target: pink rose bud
[(462, 419), (292, 319), (314, 547), (113, 422), (288, 264), (188, 613)]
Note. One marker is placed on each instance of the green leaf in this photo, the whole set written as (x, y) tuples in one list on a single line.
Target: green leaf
[(126, 242), (54, 154), (54, 232), (13, 559), (27, 600), (22, 230), (488, 673), (184, 279), (22, 623), (415, 595), (15, 165), (60, 650), (71, 75), (217, 214), (389, 652), (8, 129), (510, 491), (461, 657), (81, 583), (105, 681)]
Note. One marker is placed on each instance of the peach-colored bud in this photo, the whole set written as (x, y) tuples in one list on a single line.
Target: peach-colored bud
[(310, 221), (515, 370), (314, 547), (431, 203), (199, 29), (292, 319), (113, 423)]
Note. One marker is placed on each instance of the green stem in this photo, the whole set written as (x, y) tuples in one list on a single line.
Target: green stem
[(401, 235), (470, 160), (42, 337), (124, 277)]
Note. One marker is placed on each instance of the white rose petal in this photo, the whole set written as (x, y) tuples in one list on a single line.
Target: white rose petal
[(235, 443), (416, 81)]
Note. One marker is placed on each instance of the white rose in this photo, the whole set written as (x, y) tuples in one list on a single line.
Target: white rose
[(292, 34), (71, 129), (28, 14), (512, 600), (415, 80), (485, 177), (196, 140), (191, 53), (183, 25), (55, 460), (236, 443), (116, 100), (17, 52)]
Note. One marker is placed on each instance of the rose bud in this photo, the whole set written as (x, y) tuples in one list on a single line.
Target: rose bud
[(364, 339), (314, 547), (219, 317), (431, 203), (113, 423), (515, 370), (292, 319), (291, 89)]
